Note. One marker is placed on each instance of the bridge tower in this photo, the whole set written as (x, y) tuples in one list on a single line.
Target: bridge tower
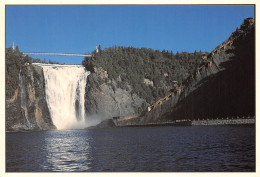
[(96, 49), (13, 47)]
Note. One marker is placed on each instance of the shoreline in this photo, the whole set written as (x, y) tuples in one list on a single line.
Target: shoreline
[(207, 122)]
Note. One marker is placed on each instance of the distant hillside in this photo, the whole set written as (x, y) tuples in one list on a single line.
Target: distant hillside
[(148, 73)]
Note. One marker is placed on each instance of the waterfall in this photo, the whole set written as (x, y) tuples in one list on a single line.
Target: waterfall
[(65, 90), (24, 102)]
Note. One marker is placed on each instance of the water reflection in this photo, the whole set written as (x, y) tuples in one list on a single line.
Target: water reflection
[(67, 151)]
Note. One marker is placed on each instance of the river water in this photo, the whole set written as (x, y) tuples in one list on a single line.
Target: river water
[(135, 149)]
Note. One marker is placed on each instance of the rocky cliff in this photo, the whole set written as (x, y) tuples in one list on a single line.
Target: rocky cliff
[(27, 109), (104, 98), (223, 86)]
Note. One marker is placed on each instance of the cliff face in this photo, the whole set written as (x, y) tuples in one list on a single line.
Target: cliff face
[(224, 86), (27, 109), (105, 99)]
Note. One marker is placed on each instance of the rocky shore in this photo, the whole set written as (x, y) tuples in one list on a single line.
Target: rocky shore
[(114, 123)]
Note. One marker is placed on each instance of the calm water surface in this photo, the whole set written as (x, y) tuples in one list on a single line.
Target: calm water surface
[(176, 149)]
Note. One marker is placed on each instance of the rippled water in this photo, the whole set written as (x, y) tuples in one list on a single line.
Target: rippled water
[(176, 149)]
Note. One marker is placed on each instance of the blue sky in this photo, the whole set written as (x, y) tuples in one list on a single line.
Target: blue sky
[(79, 29)]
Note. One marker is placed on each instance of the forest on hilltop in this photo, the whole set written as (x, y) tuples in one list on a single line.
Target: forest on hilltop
[(130, 66)]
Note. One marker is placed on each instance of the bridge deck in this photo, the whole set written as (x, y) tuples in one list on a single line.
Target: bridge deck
[(53, 53)]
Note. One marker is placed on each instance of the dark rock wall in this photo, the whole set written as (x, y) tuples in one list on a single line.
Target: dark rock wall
[(28, 110)]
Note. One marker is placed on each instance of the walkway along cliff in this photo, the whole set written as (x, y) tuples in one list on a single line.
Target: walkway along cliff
[(223, 86)]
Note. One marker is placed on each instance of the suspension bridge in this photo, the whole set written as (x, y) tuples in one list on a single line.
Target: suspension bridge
[(54, 53)]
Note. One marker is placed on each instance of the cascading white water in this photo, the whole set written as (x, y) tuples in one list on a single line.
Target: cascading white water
[(65, 90)]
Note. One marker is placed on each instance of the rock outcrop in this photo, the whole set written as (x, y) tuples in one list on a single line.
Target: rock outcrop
[(108, 123), (27, 110), (105, 99)]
